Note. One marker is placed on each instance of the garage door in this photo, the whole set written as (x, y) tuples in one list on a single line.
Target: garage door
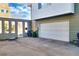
[(56, 31)]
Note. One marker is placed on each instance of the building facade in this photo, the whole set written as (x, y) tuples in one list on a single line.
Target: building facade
[(14, 18), (56, 21)]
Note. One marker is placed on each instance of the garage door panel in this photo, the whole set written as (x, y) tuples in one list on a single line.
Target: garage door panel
[(57, 30)]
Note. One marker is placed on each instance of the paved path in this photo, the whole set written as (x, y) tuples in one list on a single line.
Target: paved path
[(37, 47)]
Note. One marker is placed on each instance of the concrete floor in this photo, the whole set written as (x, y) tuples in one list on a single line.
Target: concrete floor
[(37, 47)]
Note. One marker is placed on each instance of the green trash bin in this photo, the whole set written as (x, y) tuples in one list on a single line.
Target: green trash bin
[(35, 34)]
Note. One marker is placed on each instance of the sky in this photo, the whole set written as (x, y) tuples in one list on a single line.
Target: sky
[(20, 10)]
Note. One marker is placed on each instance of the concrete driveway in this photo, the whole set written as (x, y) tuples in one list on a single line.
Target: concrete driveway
[(37, 47)]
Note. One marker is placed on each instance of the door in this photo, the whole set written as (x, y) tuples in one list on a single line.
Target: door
[(26, 27), (56, 31), (6, 26), (20, 29), (12, 26)]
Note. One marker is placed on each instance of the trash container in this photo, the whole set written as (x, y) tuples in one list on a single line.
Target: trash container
[(29, 33), (78, 39)]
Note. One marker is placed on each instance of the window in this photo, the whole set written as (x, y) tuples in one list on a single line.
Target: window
[(2, 11), (49, 4), (6, 26), (6, 11), (25, 27), (39, 5), (43, 5), (12, 26), (20, 29)]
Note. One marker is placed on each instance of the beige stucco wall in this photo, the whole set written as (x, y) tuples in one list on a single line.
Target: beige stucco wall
[(73, 23), (4, 6), (34, 26)]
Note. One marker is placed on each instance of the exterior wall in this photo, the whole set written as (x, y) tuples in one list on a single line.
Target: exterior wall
[(51, 10), (34, 26), (4, 6), (73, 22)]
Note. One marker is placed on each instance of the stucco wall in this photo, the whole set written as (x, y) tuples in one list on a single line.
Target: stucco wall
[(4, 6)]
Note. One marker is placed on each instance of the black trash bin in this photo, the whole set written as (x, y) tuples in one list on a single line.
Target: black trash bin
[(29, 33), (78, 39)]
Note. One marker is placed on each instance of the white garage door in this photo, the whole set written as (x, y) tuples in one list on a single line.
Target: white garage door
[(56, 30)]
